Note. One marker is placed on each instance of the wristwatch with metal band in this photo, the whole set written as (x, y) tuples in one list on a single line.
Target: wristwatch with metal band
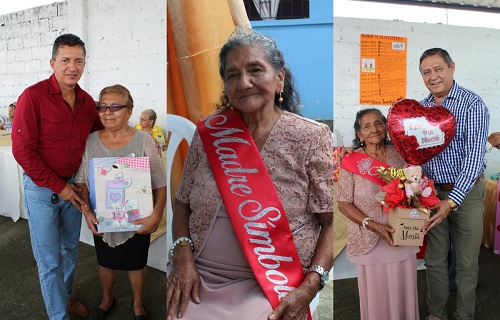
[(323, 274), (453, 204)]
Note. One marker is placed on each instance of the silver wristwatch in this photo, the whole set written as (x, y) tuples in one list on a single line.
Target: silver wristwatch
[(322, 273)]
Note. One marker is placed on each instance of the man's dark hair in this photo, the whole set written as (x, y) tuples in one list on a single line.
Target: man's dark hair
[(436, 52), (69, 40)]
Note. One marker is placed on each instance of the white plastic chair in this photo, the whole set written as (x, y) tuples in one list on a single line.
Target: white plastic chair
[(179, 129)]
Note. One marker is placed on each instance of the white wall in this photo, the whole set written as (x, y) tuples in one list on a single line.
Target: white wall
[(26, 39), (125, 42), (475, 52)]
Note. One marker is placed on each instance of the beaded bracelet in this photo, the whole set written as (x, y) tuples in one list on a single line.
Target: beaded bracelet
[(364, 223), (180, 241)]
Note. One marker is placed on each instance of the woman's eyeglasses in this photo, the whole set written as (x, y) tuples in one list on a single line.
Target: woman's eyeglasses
[(144, 119), (113, 108)]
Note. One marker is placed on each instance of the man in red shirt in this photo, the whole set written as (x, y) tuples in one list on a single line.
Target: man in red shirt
[(53, 119)]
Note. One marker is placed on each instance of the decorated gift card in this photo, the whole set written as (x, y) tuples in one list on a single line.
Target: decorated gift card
[(120, 192)]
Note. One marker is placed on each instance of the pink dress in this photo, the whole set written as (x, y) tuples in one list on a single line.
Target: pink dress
[(387, 277), (298, 157), (226, 280)]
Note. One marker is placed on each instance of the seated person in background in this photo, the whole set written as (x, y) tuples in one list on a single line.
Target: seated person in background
[(147, 123), (12, 111)]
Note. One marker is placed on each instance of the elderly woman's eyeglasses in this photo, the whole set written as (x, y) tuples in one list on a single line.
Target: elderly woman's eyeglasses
[(113, 108), (144, 119)]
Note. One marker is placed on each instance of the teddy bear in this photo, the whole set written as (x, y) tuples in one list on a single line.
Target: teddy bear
[(132, 208), (119, 215), (415, 184)]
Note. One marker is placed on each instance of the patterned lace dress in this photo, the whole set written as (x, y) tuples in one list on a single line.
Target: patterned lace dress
[(298, 157), (387, 276)]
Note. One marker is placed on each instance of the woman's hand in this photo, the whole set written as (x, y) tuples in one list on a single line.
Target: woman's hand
[(86, 208), (354, 214), (383, 230), (182, 283), (90, 219), (149, 223), (295, 304)]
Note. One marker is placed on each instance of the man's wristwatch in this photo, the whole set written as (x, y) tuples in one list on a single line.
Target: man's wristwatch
[(322, 273), (452, 203)]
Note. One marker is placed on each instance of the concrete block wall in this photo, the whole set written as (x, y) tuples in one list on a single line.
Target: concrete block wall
[(125, 42), (26, 39), (472, 49)]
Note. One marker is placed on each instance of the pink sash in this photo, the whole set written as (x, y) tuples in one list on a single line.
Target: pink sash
[(363, 165), (254, 207)]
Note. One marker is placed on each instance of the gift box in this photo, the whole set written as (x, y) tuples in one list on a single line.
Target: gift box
[(408, 224), (120, 192)]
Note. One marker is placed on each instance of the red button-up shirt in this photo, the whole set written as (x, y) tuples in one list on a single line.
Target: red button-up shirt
[(48, 137)]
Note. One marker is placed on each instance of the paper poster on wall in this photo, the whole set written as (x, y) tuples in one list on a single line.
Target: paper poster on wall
[(382, 69)]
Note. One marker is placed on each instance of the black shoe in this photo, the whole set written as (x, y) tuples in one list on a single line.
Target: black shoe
[(142, 316), (100, 314)]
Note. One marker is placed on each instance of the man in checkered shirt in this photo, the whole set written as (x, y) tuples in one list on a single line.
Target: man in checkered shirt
[(457, 172)]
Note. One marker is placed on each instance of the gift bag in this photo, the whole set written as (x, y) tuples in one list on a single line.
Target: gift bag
[(120, 192)]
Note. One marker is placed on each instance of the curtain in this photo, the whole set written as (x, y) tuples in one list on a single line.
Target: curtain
[(196, 31), (268, 9)]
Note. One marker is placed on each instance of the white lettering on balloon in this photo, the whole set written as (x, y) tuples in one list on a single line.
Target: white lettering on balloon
[(427, 136)]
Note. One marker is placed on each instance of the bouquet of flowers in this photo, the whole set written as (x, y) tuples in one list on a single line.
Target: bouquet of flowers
[(406, 188)]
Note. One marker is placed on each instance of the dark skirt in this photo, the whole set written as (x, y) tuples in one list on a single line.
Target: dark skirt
[(129, 256)]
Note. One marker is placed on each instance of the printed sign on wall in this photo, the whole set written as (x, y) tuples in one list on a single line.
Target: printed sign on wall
[(382, 69)]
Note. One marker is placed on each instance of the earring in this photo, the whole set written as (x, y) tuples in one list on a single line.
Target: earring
[(280, 98), (362, 144)]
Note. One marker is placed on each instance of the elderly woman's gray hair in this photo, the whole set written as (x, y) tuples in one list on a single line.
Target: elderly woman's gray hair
[(151, 114), (356, 143), (243, 36)]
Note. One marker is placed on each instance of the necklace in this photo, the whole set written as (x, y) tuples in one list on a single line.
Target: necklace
[(382, 156), (268, 128)]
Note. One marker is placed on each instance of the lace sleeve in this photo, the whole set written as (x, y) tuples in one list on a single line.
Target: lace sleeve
[(320, 173), (345, 190)]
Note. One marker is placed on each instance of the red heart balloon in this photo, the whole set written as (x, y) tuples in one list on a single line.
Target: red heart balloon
[(419, 133)]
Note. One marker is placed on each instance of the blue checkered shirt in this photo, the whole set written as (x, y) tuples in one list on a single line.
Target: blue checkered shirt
[(463, 160)]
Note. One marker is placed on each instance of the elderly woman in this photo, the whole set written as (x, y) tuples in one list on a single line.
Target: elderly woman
[(255, 174), (12, 111), (387, 275), (126, 251), (147, 122)]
